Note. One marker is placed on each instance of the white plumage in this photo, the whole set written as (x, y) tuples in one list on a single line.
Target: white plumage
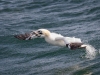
[(56, 39)]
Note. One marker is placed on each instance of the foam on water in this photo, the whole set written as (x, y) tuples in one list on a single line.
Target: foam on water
[(91, 52)]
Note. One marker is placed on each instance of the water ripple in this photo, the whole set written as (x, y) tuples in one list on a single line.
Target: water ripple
[(79, 18)]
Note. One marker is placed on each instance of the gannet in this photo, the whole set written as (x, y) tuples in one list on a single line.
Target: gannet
[(57, 39)]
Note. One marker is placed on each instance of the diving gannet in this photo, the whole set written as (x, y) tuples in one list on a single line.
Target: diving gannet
[(57, 39)]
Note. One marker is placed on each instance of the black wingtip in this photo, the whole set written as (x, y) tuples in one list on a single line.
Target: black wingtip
[(23, 36), (75, 45), (19, 37)]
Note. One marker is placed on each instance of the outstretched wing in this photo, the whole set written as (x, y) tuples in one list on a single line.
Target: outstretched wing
[(26, 36)]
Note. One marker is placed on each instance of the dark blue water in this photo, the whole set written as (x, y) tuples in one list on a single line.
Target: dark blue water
[(79, 18)]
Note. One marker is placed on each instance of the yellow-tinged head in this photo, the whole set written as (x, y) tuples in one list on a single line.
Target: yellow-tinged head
[(42, 33)]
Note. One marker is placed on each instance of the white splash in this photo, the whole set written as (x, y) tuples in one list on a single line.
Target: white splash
[(90, 52)]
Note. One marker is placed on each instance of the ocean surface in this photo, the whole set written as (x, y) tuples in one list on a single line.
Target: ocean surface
[(73, 18)]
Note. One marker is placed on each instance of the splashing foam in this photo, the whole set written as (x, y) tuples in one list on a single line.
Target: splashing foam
[(90, 51)]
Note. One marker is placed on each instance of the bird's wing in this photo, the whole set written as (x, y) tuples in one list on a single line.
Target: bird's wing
[(26, 36), (62, 38), (69, 40)]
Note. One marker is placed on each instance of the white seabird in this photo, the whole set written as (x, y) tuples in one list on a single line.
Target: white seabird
[(58, 40)]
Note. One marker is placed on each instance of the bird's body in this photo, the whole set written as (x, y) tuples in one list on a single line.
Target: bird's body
[(50, 37)]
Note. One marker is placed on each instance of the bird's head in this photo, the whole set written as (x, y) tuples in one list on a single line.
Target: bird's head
[(42, 33)]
